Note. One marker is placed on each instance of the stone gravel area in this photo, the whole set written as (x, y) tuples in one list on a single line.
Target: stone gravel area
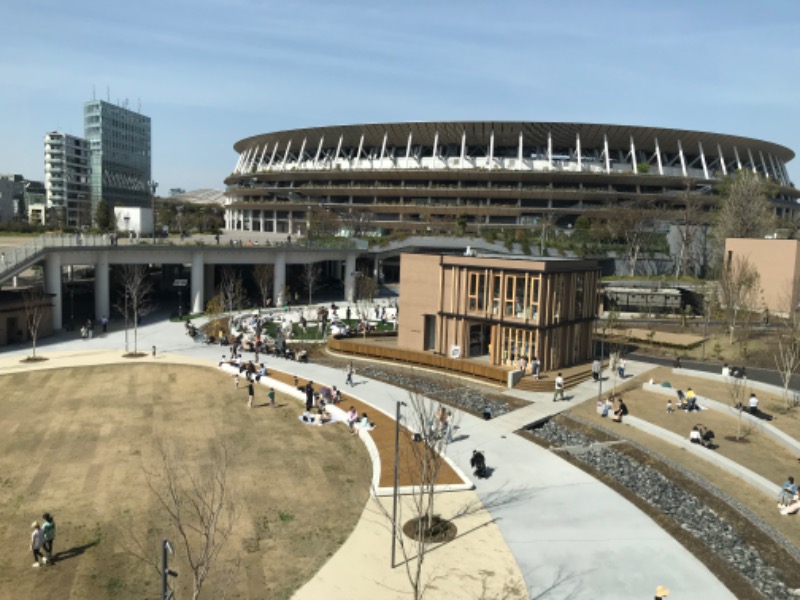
[(444, 389), (685, 509)]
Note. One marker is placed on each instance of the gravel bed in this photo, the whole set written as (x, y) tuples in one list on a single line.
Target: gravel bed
[(443, 389), (684, 508)]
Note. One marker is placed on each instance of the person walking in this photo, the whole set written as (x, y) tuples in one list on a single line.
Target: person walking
[(250, 394), (596, 369), (621, 370), (36, 543), (271, 396), (48, 536), (559, 388), (350, 372), (536, 367), (309, 395), (104, 321)]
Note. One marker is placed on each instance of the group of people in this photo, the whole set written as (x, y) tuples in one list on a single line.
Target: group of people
[(613, 406), (702, 436), (42, 538)]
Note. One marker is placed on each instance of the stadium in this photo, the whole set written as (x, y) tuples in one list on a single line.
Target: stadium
[(375, 179)]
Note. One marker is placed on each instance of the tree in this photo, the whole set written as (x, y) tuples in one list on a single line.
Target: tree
[(787, 358), (264, 276), (200, 509), (739, 288), (36, 303), (422, 464), (135, 298), (365, 290), (102, 215), (311, 273), (231, 288), (633, 223), (745, 208), (737, 391), (690, 221)]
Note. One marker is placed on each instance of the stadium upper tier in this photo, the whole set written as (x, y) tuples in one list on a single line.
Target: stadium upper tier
[(510, 171)]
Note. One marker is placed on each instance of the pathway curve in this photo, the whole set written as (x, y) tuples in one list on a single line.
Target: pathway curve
[(563, 527)]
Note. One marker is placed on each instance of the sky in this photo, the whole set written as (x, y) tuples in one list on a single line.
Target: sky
[(211, 72)]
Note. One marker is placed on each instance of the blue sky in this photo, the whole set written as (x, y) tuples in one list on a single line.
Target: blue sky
[(210, 72)]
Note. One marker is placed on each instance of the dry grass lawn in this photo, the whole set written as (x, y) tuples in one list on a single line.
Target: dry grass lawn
[(757, 452), (74, 442)]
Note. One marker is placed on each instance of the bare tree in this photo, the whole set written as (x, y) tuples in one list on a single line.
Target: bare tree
[(739, 289), (737, 392), (787, 359), (423, 464), (633, 223), (200, 509), (232, 289), (264, 276), (745, 208), (36, 303), (311, 274), (134, 302), (365, 291), (690, 220)]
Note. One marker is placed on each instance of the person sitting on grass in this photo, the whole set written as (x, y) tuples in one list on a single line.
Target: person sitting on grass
[(691, 400), (788, 491), (695, 437)]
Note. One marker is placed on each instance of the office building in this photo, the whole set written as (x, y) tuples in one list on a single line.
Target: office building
[(120, 150)]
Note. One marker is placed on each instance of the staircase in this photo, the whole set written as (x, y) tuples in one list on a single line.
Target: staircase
[(546, 383)]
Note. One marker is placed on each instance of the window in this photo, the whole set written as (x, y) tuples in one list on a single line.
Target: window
[(533, 307), (496, 287)]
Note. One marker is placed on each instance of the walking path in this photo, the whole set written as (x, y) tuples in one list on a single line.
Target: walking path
[(568, 532)]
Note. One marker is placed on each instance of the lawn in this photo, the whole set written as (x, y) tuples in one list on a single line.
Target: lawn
[(756, 451), (75, 442)]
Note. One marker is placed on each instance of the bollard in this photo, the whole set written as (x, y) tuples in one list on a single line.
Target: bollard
[(154, 351)]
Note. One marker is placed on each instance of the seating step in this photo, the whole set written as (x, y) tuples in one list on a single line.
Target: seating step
[(546, 382)]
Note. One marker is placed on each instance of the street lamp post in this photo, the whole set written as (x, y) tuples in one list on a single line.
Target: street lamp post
[(396, 473), (152, 185)]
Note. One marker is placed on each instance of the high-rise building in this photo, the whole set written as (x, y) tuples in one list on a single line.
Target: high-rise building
[(119, 144), (66, 179)]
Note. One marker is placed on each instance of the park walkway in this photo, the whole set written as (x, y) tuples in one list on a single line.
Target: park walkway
[(564, 528)]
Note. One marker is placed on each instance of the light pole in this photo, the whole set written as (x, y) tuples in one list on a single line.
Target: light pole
[(396, 472), (166, 572), (152, 185)]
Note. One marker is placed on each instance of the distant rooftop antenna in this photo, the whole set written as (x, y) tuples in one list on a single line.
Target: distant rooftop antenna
[(94, 92)]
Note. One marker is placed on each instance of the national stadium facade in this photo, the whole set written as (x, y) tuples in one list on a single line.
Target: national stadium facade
[(425, 177)]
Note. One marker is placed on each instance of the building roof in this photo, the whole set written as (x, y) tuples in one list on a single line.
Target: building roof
[(506, 133)]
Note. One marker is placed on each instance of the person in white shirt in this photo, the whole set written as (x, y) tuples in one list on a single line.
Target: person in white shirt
[(559, 388), (36, 543)]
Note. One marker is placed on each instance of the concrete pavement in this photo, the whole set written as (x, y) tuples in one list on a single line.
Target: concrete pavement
[(570, 534)]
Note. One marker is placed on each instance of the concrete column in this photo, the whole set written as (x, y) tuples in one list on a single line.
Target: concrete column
[(279, 280), (196, 303), (52, 285), (101, 289), (208, 282), (350, 278), (376, 275)]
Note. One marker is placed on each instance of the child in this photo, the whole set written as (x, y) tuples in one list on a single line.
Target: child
[(271, 396), (236, 381), (670, 410), (36, 543)]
